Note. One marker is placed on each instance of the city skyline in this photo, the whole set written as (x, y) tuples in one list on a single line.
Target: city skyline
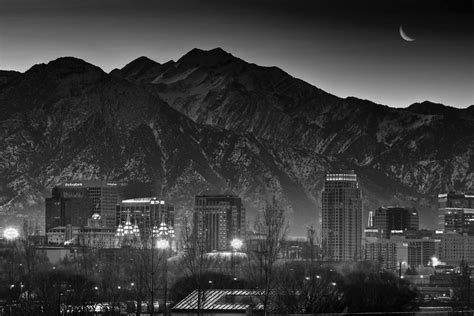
[(257, 157), (346, 49)]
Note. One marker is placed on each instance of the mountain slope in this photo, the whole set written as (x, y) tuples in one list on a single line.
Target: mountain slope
[(426, 148), (211, 121), (69, 120)]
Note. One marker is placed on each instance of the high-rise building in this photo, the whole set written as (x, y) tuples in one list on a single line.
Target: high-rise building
[(218, 219), (394, 220), (341, 217), (147, 212), (420, 251), (103, 195), (456, 212), (68, 206)]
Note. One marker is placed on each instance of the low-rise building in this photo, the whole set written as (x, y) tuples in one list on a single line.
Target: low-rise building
[(222, 302), (456, 248), (94, 235), (416, 250), (62, 235)]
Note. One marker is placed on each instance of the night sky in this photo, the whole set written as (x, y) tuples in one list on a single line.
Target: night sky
[(348, 48)]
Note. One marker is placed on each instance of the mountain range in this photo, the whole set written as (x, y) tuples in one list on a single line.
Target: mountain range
[(211, 121)]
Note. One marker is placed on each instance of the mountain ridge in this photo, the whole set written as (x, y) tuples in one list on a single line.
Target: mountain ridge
[(213, 120)]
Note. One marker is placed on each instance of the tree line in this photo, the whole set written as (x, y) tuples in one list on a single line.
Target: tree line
[(123, 279)]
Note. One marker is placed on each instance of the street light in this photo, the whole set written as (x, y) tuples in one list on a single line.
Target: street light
[(154, 234), (11, 233), (236, 245), (164, 244), (435, 262), (59, 302)]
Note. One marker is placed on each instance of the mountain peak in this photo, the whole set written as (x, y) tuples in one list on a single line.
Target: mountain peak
[(65, 62), (206, 58), (67, 65), (142, 69), (430, 108), (140, 63), (7, 76)]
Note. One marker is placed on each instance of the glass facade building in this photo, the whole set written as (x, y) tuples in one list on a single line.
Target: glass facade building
[(456, 213), (341, 217), (218, 219), (74, 202)]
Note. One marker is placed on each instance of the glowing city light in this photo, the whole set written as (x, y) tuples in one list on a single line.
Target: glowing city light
[(434, 262), (11, 233), (162, 244), (236, 244)]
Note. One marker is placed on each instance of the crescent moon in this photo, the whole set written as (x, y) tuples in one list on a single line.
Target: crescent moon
[(405, 36)]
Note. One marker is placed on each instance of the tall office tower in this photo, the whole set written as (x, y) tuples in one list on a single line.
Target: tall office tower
[(456, 212), (394, 220), (68, 206), (341, 217), (145, 212), (420, 251), (218, 219), (104, 197)]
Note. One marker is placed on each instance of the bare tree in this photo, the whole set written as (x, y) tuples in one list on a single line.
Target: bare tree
[(195, 260), (310, 234), (31, 258), (271, 228), (304, 288)]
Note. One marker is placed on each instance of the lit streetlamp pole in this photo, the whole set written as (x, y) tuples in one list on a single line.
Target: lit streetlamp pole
[(166, 235), (163, 244), (59, 302), (10, 234), (236, 245), (154, 234)]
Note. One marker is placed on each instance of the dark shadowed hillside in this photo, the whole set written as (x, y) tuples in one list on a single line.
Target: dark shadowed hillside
[(211, 121)]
